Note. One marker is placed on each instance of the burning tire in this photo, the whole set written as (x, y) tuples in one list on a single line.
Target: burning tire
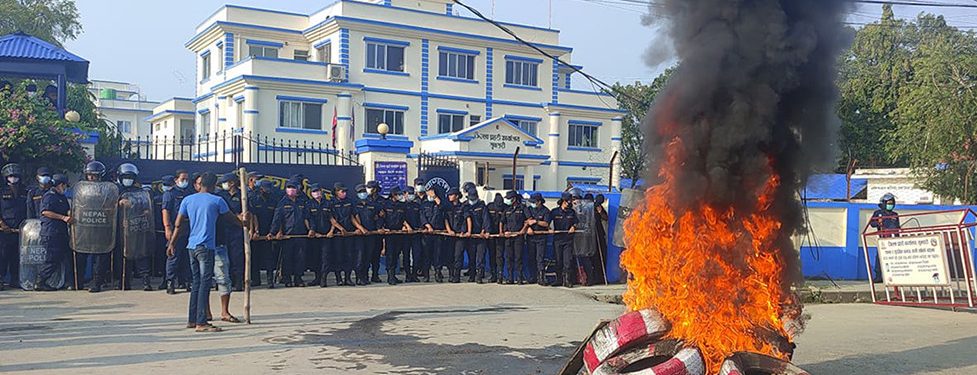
[(627, 331), (669, 357), (744, 363)]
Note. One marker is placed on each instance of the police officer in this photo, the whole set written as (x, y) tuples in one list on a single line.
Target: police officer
[(496, 245), (886, 220), (101, 263), (514, 229), (538, 218), (343, 209), (435, 245), (564, 218), (373, 191), (480, 227), (54, 230), (128, 183), (395, 219), (253, 179), (159, 253), (366, 218), (178, 265), (36, 192), (413, 247), (262, 206), (319, 250), (13, 212), (233, 235), (292, 219), (459, 226)]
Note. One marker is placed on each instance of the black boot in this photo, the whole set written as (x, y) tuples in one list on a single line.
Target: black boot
[(317, 280), (96, 286), (427, 276), (297, 281), (271, 279), (339, 279), (390, 278), (392, 275), (147, 284), (376, 277), (472, 274), (522, 279), (499, 279), (438, 276), (492, 277), (541, 278), (347, 279), (480, 277), (162, 285), (170, 287), (322, 281), (42, 286)]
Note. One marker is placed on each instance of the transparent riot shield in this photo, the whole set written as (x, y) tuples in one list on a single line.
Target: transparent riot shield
[(630, 199), (584, 241), (32, 257), (94, 208), (137, 224)]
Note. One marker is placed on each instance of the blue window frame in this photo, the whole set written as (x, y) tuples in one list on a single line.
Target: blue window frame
[(583, 135), (456, 64), (522, 72), (382, 56)]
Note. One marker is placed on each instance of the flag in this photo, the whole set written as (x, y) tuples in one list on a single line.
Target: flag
[(335, 122)]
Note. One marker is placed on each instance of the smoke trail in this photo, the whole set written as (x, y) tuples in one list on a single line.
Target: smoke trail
[(755, 87)]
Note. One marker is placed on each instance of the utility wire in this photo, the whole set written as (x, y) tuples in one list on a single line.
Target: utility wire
[(604, 85)]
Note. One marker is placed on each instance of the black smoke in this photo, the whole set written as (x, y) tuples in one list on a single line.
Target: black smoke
[(754, 92)]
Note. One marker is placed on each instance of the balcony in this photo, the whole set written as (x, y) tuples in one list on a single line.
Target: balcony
[(280, 68)]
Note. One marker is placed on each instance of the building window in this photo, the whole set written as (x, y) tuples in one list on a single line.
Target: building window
[(527, 125), (456, 65), (204, 125), (474, 120), (583, 135), (240, 114), (481, 174), (300, 115), (325, 53), (450, 123), (393, 118), (301, 55), (582, 181), (205, 66), (385, 57), (157, 126), (220, 59), (521, 73), (186, 130), (262, 51), (124, 126), (507, 183)]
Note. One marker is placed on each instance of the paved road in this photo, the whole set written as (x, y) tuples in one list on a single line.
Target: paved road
[(416, 329)]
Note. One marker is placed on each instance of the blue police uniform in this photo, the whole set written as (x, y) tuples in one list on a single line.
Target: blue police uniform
[(367, 212), (262, 205), (13, 212), (481, 223), (291, 218), (458, 217), (561, 220), (537, 243), (322, 262), (496, 246), (413, 245), (345, 247), (233, 238), (394, 218), (159, 253), (887, 223), (34, 195), (54, 235), (514, 221), (136, 268), (432, 218), (178, 265)]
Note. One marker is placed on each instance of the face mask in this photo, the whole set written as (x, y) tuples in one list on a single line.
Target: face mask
[(472, 201), (226, 186), (507, 201), (13, 179), (292, 192), (44, 180), (402, 198), (430, 199), (889, 206), (369, 191), (167, 188), (127, 182), (317, 194), (419, 188), (411, 197), (362, 195), (183, 184)]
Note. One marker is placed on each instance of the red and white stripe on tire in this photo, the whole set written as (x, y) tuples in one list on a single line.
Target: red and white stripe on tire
[(628, 330), (742, 363), (681, 361)]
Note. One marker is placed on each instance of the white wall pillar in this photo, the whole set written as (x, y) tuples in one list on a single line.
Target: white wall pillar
[(552, 179), (250, 112), (616, 147), (344, 117), (529, 172), (466, 171)]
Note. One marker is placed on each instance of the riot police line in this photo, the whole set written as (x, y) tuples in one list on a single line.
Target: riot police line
[(117, 232)]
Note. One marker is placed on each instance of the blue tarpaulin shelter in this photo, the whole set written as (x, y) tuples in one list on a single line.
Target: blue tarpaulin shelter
[(24, 56), (832, 187)]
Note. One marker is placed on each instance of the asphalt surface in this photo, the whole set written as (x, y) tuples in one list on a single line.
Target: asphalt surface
[(417, 329)]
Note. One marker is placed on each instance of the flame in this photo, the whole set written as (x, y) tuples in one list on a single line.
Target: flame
[(715, 273)]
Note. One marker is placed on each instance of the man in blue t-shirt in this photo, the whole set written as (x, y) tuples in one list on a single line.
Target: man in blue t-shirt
[(202, 210)]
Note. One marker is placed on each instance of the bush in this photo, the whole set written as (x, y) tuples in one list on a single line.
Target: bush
[(33, 133)]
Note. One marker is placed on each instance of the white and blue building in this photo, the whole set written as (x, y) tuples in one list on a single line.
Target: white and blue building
[(444, 84)]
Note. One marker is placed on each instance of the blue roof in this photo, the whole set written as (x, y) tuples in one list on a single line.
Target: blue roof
[(832, 186), (20, 45)]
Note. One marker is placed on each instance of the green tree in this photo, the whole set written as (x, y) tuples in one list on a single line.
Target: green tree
[(936, 113), (55, 21), (33, 133), (636, 98), (871, 76)]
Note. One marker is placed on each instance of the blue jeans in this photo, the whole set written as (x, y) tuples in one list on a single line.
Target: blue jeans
[(222, 273), (202, 276)]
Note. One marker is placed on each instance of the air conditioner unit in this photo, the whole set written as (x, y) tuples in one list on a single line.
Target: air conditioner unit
[(336, 73)]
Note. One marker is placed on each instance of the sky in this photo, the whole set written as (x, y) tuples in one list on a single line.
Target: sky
[(142, 42)]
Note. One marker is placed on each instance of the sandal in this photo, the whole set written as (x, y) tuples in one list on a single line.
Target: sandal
[(191, 325), (209, 328), (230, 319)]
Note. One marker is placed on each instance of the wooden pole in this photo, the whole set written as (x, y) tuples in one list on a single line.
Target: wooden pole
[(243, 176)]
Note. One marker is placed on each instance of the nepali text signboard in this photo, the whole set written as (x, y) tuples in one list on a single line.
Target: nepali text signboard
[(914, 261), (390, 174)]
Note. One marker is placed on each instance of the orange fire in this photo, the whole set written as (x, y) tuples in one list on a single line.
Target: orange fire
[(714, 272)]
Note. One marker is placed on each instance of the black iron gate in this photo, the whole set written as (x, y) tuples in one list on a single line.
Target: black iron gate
[(438, 171)]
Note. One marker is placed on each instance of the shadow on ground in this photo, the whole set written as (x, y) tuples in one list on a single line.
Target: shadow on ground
[(950, 355)]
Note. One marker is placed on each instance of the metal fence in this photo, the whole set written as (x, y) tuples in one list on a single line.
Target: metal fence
[(235, 147)]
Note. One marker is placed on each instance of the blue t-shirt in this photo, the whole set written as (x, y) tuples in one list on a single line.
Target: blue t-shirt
[(203, 209)]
